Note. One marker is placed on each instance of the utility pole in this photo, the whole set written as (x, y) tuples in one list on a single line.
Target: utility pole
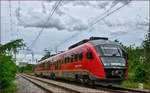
[(56, 50), (32, 60), (32, 57), (15, 54)]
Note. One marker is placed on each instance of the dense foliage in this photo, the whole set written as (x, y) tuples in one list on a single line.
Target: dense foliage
[(8, 66), (8, 70), (138, 62), (27, 69), (12, 47), (47, 55)]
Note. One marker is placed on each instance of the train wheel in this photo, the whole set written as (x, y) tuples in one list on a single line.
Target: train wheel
[(86, 80), (53, 76), (91, 83), (77, 78)]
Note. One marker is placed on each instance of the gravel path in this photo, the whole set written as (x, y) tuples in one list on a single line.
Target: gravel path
[(25, 86)]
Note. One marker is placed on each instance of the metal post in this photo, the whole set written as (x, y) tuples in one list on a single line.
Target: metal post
[(56, 50), (32, 60)]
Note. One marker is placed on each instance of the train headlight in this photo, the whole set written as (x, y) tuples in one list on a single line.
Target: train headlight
[(107, 64), (122, 64)]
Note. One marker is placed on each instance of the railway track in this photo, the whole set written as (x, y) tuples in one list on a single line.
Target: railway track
[(60, 86), (46, 86)]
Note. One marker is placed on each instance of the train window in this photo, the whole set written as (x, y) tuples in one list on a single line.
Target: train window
[(47, 65), (72, 57), (76, 57), (62, 61), (68, 60), (89, 54), (43, 66), (57, 64), (80, 55), (111, 51), (65, 60)]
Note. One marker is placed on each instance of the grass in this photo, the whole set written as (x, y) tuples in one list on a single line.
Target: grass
[(131, 84), (27, 71)]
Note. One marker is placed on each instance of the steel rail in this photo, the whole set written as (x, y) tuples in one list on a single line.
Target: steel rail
[(39, 86), (111, 88), (48, 83), (99, 89)]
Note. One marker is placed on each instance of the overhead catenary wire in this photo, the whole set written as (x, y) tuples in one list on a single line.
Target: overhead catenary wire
[(18, 15), (10, 15), (108, 14), (50, 15), (40, 32), (92, 24), (72, 36)]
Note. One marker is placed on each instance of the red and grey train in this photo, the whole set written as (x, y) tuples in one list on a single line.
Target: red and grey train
[(95, 59)]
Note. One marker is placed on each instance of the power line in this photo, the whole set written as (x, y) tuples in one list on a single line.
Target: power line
[(80, 32), (40, 32), (10, 15), (18, 15), (92, 24), (50, 15), (108, 14)]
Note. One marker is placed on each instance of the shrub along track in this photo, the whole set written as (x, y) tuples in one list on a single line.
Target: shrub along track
[(67, 86)]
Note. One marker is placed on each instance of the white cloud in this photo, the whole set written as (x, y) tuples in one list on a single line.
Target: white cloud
[(118, 32), (39, 20), (75, 24)]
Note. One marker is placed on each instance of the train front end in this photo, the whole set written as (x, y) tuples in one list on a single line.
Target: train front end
[(114, 60)]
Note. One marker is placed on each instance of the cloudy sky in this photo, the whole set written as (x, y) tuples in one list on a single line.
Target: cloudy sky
[(71, 22)]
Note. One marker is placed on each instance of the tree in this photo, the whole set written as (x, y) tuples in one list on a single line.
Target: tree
[(8, 67), (47, 55), (12, 47), (146, 49)]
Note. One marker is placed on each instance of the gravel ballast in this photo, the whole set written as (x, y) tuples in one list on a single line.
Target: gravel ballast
[(25, 86)]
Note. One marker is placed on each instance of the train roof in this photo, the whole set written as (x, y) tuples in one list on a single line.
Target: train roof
[(87, 40), (94, 41), (100, 42)]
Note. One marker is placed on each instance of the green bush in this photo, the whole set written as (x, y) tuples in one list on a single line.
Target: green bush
[(8, 71), (141, 75), (27, 69), (133, 64), (130, 84)]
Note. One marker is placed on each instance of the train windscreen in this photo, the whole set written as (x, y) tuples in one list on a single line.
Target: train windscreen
[(109, 50), (111, 55)]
